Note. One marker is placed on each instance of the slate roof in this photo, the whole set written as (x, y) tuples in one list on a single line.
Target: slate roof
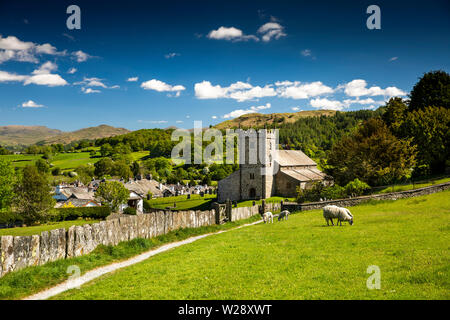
[(304, 174), (290, 158)]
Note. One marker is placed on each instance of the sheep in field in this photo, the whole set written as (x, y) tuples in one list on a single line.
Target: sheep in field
[(283, 215), (268, 217), (334, 212)]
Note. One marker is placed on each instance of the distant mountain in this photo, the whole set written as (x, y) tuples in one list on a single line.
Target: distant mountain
[(258, 120), (92, 133), (26, 135)]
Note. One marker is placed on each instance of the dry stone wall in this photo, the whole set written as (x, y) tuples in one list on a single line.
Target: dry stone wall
[(18, 252), (348, 202)]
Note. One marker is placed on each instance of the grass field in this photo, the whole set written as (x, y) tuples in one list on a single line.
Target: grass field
[(301, 258), (28, 231), (410, 186), (196, 202), (65, 161), (22, 283)]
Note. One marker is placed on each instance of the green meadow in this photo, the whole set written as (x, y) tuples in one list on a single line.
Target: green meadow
[(302, 258), (65, 161)]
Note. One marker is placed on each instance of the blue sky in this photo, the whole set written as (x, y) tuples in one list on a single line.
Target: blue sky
[(209, 60)]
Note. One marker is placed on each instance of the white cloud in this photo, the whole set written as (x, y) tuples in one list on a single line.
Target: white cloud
[(306, 53), (240, 112), (81, 56), (93, 82), (12, 48), (90, 90), (171, 55), (46, 68), (161, 86), (214, 117), (153, 121), (51, 80), (296, 109), (133, 79), (393, 58), (271, 30), (11, 77), (179, 121), (240, 91), (327, 104), (358, 87), (72, 70), (298, 90), (40, 76), (31, 104), (231, 33)]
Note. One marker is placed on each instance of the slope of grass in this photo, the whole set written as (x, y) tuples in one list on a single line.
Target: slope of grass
[(31, 280), (301, 258), (410, 186), (196, 202), (65, 161), (28, 231)]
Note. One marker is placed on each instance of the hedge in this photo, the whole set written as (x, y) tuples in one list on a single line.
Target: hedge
[(63, 214), (8, 218)]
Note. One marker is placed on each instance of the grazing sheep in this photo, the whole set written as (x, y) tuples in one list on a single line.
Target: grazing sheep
[(283, 215), (268, 217), (334, 212)]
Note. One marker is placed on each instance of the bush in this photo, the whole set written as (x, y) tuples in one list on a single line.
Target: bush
[(130, 211), (9, 218), (356, 188), (62, 214)]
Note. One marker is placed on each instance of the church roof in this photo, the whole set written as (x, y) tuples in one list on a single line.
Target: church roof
[(305, 174), (288, 158)]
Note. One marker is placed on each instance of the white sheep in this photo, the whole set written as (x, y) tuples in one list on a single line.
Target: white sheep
[(331, 212), (268, 217), (283, 215)]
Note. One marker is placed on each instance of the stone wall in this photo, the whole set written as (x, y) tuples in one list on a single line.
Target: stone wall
[(17, 252), (292, 207)]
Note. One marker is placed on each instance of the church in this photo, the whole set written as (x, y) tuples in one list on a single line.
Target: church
[(264, 171)]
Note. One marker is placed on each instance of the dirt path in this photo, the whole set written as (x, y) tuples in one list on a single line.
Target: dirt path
[(93, 274)]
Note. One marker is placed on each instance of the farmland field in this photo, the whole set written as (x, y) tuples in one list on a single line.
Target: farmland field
[(65, 161), (302, 258)]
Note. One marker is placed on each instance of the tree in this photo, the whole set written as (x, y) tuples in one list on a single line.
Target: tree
[(113, 193), (429, 129), (42, 166), (56, 171), (136, 168), (122, 170), (103, 167), (372, 154), (32, 195), (394, 114), (106, 150), (6, 184), (433, 89)]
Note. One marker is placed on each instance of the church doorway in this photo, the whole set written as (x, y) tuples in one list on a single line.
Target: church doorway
[(252, 193)]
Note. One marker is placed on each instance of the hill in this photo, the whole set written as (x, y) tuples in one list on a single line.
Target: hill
[(92, 133), (25, 135), (259, 119), (15, 135)]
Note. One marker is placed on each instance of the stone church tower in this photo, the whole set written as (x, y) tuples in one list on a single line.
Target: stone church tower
[(255, 164)]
